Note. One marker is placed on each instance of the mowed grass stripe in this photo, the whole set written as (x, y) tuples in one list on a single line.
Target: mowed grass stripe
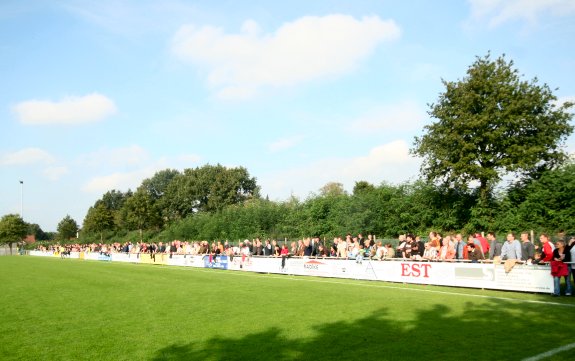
[(72, 309)]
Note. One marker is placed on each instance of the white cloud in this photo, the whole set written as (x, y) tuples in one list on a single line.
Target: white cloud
[(390, 162), (497, 12), (285, 143), (427, 71), (55, 173), (70, 110), (132, 155), (398, 117), (131, 179), (307, 48), (26, 156), (119, 180), (132, 18), (187, 159)]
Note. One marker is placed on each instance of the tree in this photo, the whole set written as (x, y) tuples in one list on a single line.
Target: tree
[(114, 199), (12, 229), (99, 219), (39, 234), (67, 228), (139, 212), (362, 187), (157, 185), (549, 203), (332, 189), (207, 189), (491, 123)]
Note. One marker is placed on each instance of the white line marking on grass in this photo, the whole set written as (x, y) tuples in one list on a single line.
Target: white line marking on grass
[(306, 279), (550, 352)]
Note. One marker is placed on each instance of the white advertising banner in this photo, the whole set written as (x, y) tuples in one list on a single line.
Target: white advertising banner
[(525, 278)]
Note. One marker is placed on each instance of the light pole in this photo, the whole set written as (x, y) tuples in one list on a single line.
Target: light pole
[(22, 199)]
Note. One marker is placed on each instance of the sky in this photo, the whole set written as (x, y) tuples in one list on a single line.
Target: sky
[(100, 95)]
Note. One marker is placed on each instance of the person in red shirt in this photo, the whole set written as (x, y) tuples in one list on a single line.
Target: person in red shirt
[(546, 248), (484, 243), (284, 254)]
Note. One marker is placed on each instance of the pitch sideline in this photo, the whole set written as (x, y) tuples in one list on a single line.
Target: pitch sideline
[(550, 353)]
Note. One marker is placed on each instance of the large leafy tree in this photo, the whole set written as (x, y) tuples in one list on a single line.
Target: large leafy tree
[(12, 229), (67, 228), (38, 233), (140, 212), (491, 123), (157, 185), (115, 199), (99, 219), (207, 189)]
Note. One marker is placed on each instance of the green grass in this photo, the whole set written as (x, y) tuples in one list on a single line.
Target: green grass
[(55, 309)]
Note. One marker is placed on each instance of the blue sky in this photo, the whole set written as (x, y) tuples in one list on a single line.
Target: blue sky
[(99, 95)]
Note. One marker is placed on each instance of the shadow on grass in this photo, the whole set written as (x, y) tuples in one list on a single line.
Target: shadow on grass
[(492, 330)]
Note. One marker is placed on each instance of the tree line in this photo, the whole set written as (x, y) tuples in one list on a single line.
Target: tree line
[(543, 205)]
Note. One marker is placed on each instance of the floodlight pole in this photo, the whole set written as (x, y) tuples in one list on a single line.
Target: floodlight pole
[(22, 199)]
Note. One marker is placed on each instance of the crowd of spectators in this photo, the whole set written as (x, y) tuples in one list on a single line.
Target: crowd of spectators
[(475, 248), (452, 247)]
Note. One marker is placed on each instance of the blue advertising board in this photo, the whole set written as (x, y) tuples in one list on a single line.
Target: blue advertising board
[(219, 262)]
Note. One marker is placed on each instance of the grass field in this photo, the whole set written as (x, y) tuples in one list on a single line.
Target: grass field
[(54, 309)]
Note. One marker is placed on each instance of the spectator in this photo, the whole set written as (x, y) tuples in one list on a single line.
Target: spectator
[(401, 246), (527, 248), (307, 247), (333, 247), (546, 248), (371, 240), (537, 258), (360, 253), (258, 248), (321, 251), (494, 246), (420, 245), (284, 254), (484, 244), (511, 249), (412, 247), (390, 251), (471, 240), (474, 254), (380, 251), (300, 248), (268, 250), (459, 246), (293, 248), (352, 254), (341, 248), (430, 252), (559, 267), (315, 242), (434, 240), (447, 251)]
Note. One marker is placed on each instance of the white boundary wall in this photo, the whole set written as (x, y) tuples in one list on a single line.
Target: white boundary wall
[(525, 278)]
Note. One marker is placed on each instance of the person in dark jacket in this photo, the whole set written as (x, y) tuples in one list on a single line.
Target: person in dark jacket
[(474, 254)]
